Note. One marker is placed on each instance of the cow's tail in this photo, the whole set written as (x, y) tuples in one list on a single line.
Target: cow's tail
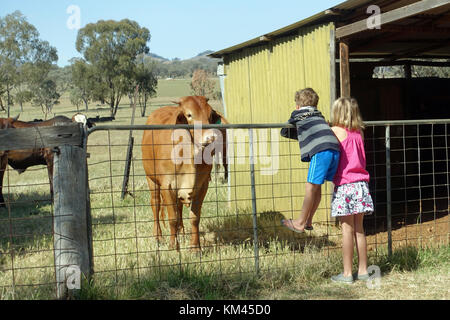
[(162, 211)]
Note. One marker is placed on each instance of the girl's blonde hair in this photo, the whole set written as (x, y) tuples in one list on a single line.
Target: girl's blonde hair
[(345, 113)]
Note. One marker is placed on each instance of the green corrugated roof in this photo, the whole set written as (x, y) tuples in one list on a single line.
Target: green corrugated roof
[(347, 5)]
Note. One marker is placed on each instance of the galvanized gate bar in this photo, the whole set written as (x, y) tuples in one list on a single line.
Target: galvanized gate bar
[(247, 125)]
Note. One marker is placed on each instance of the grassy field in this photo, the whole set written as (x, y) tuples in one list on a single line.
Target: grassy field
[(130, 264)]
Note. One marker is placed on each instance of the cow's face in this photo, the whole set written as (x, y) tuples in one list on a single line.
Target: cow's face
[(195, 110)]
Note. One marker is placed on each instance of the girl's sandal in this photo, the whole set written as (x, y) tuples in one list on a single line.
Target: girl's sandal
[(342, 279)]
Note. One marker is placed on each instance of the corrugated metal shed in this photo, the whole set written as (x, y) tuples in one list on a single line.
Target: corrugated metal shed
[(260, 86), (417, 30), (261, 76)]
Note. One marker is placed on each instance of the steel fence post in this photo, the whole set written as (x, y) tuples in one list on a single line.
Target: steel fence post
[(388, 189), (252, 178)]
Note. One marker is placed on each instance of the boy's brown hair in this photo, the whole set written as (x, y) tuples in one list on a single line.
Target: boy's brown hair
[(306, 97)]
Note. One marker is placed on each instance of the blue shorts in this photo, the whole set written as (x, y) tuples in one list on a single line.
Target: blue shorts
[(323, 166)]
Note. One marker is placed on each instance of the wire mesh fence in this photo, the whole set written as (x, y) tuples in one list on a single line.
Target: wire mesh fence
[(26, 235), (408, 162), (126, 247), (240, 233), (240, 229)]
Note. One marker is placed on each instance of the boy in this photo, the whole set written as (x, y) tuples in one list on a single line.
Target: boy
[(319, 146)]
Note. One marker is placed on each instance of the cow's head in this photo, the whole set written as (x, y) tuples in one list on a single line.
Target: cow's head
[(195, 110), (6, 123)]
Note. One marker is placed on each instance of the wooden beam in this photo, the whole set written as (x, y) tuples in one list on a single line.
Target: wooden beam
[(41, 137), (384, 56), (406, 30), (399, 34), (434, 18), (344, 69), (417, 51), (373, 42), (399, 63), (391, 16)]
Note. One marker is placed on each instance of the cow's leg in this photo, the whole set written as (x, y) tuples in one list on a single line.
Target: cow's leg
[(155, 201), (180, 217), (170, 202), (194, 215), (3, 164)]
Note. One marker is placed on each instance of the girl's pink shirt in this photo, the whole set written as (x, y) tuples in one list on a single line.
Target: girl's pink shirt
[(352, 162)]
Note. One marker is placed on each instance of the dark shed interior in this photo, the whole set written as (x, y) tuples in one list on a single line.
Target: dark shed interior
[(400, 71), (413, 36)]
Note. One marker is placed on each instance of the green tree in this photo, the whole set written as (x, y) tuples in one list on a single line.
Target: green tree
[(24, 58), (62, 76), (147, 82), (46, 96), (111, 48), (84, 83), (76, 97)]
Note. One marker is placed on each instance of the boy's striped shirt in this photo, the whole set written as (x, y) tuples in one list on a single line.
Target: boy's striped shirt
[(313, 132)]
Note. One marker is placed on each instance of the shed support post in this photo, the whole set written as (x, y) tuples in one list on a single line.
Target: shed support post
[(344, 69), (73, 250)]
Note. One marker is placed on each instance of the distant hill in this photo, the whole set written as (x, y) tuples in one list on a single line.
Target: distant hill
[(156, 57), (177, 68), (203, 54)]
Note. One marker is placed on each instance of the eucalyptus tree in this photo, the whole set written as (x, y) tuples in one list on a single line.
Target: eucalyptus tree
[(25, 59), (147, 82), (111, 48)]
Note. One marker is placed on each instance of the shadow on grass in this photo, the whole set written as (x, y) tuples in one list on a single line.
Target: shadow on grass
[(411, 258), (178, 284), (30, 215), (239, 229), (27, 226), (188, 283)]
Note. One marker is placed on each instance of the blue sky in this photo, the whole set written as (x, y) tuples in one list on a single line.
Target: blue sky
[(178, 28)]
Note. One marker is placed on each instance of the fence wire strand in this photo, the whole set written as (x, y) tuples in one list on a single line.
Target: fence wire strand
[(125, 247)]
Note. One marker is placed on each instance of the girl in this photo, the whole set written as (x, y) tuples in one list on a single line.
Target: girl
[(351, 197)]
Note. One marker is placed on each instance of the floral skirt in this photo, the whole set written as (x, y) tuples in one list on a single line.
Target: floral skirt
[(351, 198)]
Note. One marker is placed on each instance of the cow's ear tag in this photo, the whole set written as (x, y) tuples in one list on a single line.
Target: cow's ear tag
[(218, 121)]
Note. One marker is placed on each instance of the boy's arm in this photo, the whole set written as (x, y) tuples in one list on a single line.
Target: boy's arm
[(290, 133)]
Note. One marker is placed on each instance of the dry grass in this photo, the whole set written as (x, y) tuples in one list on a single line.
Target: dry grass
[(130, 264)]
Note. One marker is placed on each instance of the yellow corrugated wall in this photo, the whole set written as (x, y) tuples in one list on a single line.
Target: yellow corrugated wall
[(260, 85)]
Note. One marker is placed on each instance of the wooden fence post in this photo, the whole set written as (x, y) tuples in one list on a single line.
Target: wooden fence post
[(73, 251), (345, 69)]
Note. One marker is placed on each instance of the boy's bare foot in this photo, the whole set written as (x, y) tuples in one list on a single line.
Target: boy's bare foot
[(289, 223)]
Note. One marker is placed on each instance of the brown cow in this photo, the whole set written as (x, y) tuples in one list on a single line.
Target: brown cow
[(175, 173), (20, 160)]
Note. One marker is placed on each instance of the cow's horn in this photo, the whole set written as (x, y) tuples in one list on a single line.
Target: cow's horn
[(16, 117), (176, 101)]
